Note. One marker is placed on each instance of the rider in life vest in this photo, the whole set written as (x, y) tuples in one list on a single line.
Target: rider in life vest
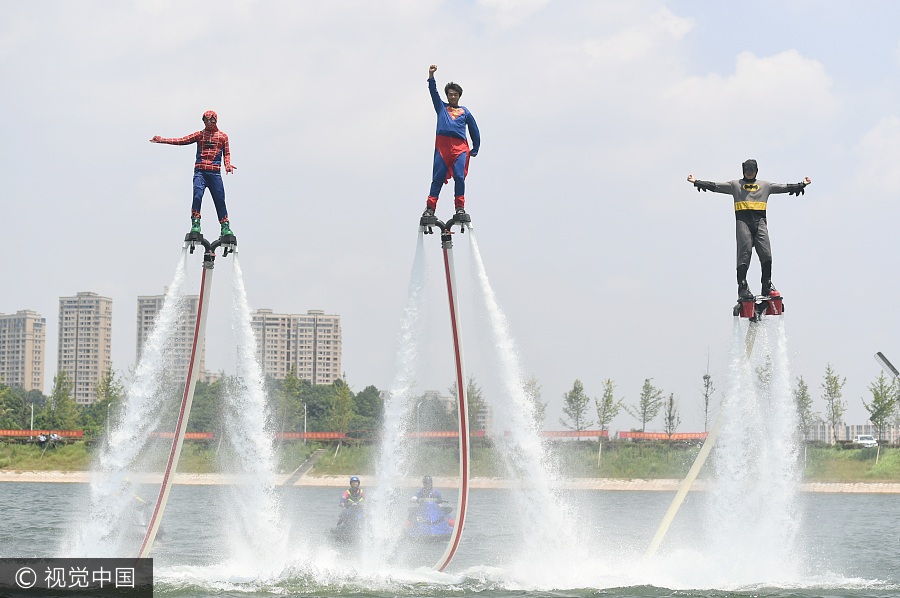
[(451, 149), (750, 198), (354, 496), (428, 491), (212, 151)]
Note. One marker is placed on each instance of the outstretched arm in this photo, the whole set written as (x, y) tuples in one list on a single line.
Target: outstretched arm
[(186, 140), (709, 185), (797, 189)]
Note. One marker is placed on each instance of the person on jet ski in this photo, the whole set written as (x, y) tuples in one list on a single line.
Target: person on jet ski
[(354, 496), (428, 492)]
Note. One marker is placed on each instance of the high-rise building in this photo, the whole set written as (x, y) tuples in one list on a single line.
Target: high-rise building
[(309, 343), (85, 342), (148, 309), (23, 341)]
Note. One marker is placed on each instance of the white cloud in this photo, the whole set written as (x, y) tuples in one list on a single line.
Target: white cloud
[(640, 44), (509, 13), (768, 94), (878, 152)]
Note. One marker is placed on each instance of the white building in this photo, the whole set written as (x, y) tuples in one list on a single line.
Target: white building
[(309, 343), (23, 341), (148, 309), (85, 342)]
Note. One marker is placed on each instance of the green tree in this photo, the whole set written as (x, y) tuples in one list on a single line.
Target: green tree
[(671, 417), (61, 412), (431, 414), (318, 399), (607, 405), (575, 408), (17, 407), (532, 390), (288, 412), (110, 392), (649, 404), (206, 406), (806, 419), (341, 410), (884, 402), (474, 400), (8, 409), (835, 406), (369, 408)]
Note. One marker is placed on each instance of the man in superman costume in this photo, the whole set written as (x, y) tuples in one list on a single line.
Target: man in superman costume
[(212, 150), (451, 149)]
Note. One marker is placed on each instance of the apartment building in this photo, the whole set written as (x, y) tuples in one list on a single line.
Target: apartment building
[(23, 342), (178, 346), (310, 343), (85, 342)]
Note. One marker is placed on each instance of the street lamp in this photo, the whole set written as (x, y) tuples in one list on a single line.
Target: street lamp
[(304, 423)]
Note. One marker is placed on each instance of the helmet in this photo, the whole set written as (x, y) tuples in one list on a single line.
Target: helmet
[(354, 479), (426, 481)]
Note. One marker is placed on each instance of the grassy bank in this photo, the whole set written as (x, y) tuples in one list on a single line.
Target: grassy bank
[(572, 459)]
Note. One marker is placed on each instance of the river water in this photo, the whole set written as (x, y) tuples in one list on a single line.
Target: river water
[(848, 546)]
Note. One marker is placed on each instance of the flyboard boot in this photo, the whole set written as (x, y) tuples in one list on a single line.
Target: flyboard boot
[(226, 238), (193, 237), (428, 220), (769, 303)]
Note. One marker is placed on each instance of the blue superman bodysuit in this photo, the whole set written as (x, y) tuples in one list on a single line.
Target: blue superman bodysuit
[(451, 149)]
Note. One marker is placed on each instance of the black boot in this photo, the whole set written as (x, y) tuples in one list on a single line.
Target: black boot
[(744, 293), (768, 288)]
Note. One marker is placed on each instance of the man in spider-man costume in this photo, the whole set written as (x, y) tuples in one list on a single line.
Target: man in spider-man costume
[(451, 149), (212, 149)]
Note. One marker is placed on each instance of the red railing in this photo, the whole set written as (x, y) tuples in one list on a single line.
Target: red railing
[(430, 434), (61, 433), (661, 436)]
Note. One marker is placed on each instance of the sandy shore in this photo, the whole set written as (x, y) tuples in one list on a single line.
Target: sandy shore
[(83, 477)]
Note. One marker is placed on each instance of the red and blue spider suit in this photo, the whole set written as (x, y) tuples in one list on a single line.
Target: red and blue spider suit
[(451, 149), (212, 150)]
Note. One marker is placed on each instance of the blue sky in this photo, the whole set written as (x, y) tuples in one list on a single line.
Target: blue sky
[(592, 114)]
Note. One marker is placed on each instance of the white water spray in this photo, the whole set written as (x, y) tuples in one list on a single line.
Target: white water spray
[(255, 531), (545, 518), (384, 511), (113, 503), (752, 516)]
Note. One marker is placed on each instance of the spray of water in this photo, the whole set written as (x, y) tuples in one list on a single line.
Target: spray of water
[(255, 531), (384, 511), (545, 519), (113, 516), (752, 516)]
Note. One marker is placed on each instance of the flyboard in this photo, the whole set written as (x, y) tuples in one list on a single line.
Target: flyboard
[(426, 226), (229, 245), (752, 309)]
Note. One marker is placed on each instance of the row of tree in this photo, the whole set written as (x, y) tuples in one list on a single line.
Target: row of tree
[(883, 408), (295, 404), (652, 400)]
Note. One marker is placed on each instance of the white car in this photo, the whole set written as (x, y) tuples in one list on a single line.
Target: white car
[(866, 440)]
